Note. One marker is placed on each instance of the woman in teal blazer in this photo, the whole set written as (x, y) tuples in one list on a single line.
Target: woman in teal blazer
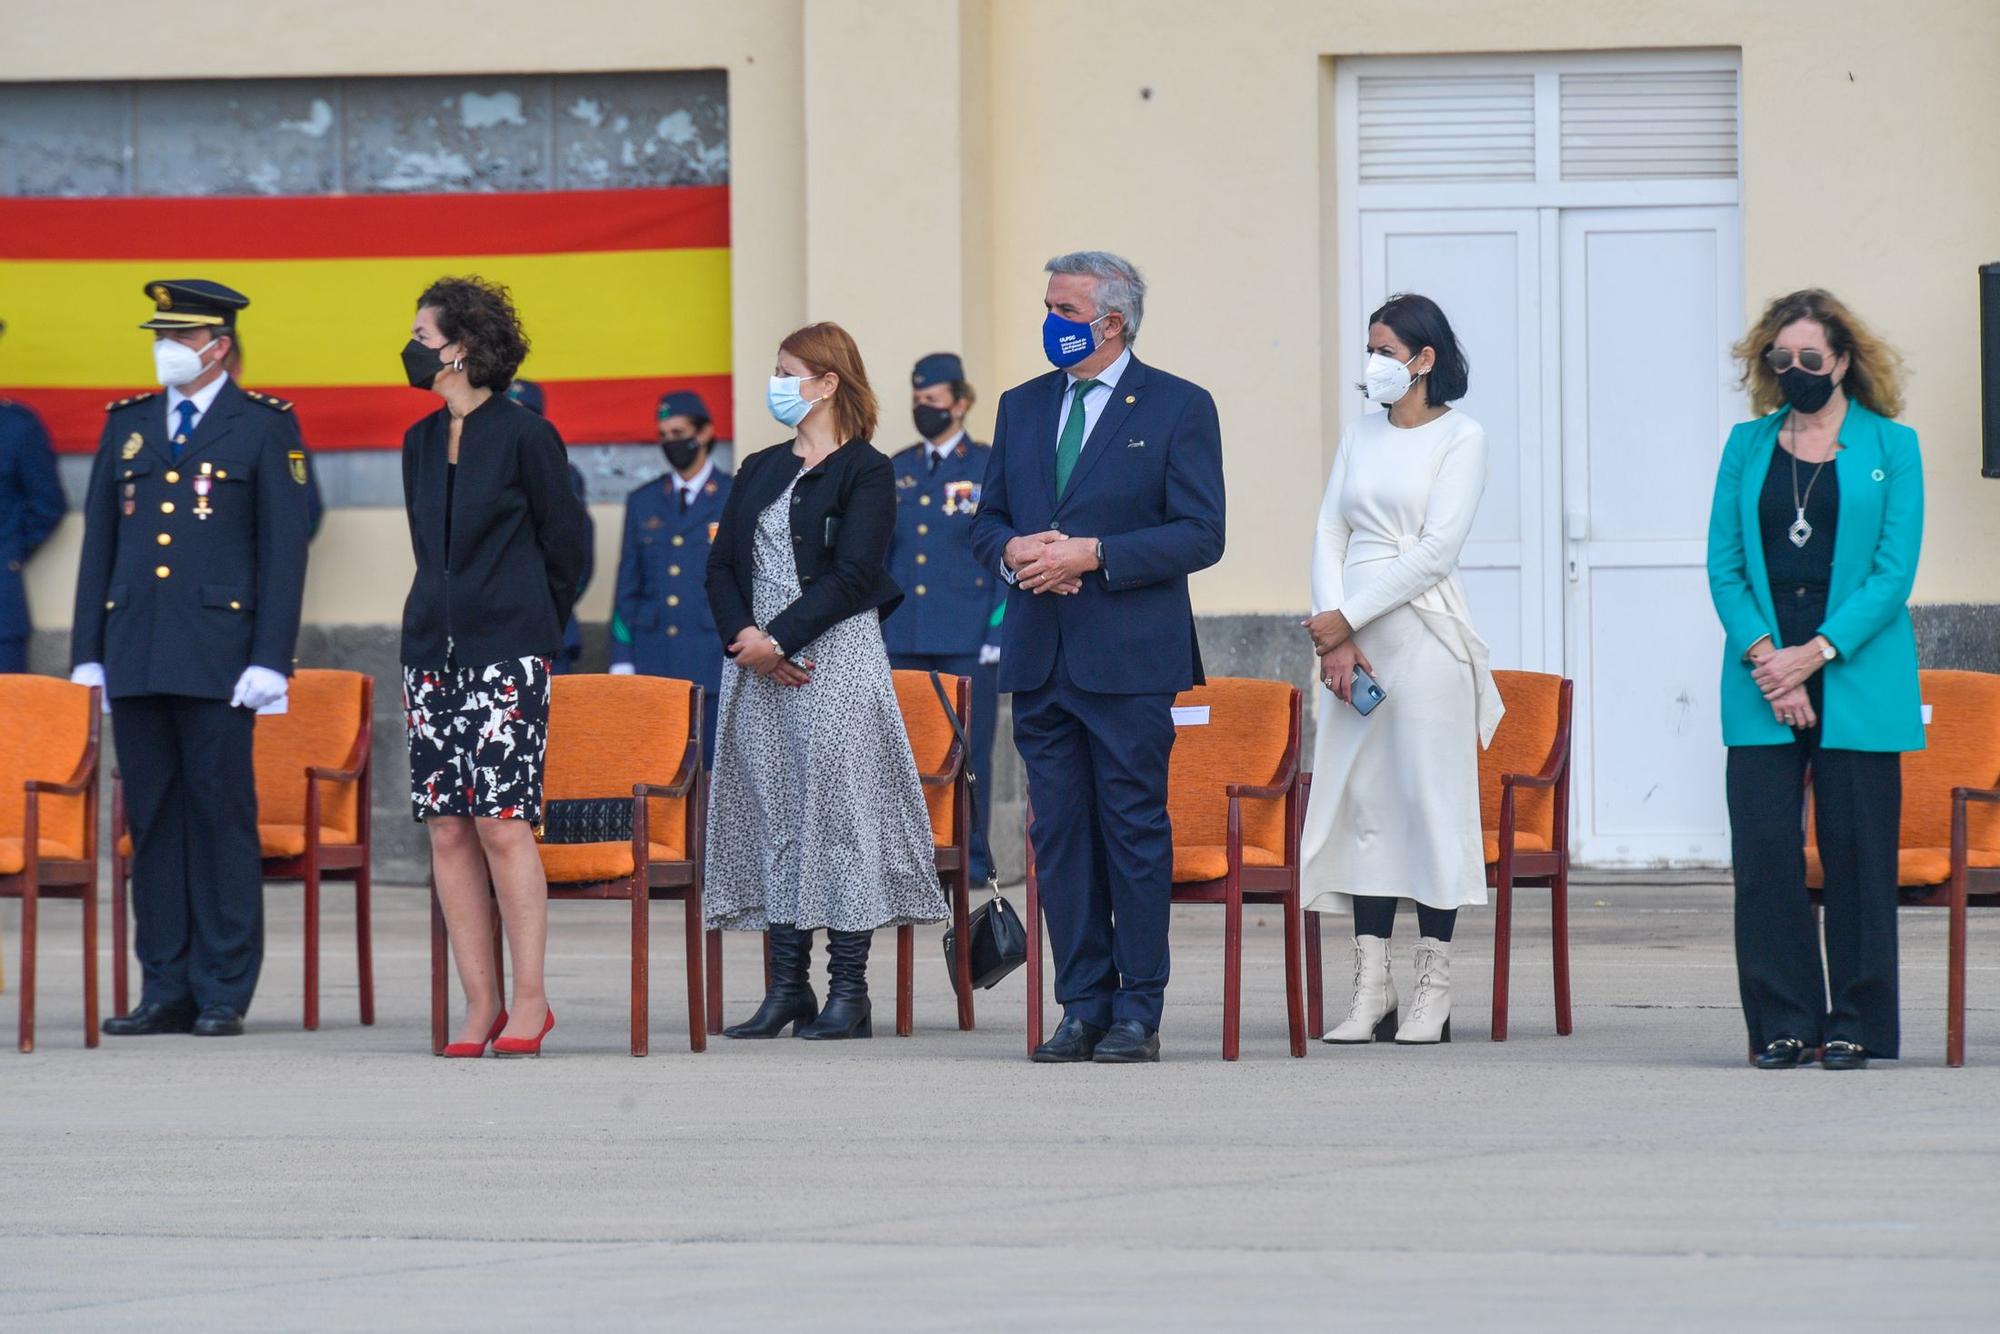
[(1812, 549)]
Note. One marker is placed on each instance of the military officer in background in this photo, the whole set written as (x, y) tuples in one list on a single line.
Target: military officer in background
[(529, 395), (187, 612), (31, 505), (662, 625), (950, 618)]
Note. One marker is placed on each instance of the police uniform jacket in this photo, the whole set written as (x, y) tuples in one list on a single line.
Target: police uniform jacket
[(31, 505), (952, 597), (662, 595), (192, 569)]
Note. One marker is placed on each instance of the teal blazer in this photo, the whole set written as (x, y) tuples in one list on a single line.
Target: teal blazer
[(1871, 699)]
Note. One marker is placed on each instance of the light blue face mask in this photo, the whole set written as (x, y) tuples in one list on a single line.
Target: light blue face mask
[(787, 404)]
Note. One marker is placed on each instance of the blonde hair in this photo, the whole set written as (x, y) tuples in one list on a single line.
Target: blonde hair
[(827, 347), (1874, 369)]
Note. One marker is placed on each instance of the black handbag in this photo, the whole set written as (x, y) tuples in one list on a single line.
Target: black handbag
[(998, 943), (586, 820)]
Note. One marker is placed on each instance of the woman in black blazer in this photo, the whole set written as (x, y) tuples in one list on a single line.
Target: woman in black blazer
[(500, 541), (816, 816)]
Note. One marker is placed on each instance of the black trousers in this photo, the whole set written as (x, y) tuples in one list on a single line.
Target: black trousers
[(1857, 808), (197, 871)]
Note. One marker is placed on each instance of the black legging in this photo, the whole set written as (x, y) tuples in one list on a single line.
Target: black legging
[(1376, 916)]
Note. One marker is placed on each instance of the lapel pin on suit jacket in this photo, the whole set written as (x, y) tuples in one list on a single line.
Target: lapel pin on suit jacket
[(1135, 444)]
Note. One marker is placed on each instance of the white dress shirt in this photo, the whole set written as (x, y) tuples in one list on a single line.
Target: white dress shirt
[(690, 491), (202, 398), (1095, 399), (936, 454)]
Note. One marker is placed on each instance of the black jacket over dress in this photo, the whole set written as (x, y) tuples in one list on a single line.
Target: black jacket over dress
[(843, 517), (520, 539)]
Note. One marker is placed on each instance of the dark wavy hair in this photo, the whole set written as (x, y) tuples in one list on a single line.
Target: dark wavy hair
[(479, 316), (1418, 324)]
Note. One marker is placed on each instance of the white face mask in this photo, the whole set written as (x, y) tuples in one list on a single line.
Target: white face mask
[(176, 364), (1386, 380)]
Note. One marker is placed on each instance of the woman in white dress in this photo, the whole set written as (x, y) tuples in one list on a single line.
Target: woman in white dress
[(1395, 796)]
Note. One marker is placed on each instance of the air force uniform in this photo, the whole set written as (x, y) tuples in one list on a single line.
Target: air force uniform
[(662, 597), (950, 602), (193, 570), (31, 505)]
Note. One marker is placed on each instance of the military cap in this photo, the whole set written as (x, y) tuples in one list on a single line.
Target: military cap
[(529, 395), (193, 303), (683, 403), (937, 368)]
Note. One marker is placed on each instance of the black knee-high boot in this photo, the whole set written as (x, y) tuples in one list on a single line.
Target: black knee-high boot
[(790, 999), (847, 1011)]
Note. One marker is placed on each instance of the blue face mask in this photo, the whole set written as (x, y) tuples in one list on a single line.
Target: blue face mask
[(787, 404), (1068, 341)]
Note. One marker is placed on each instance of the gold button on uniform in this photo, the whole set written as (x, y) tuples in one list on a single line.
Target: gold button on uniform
[(923, 529), (673, 569), (923, 500), (922, 559), (161, 571), (165, 539), (673, 629), (236, 606), (166, 507), (220, 473), (673, 599), (921, 590), (679, 540), (109, 605), (172, 476)]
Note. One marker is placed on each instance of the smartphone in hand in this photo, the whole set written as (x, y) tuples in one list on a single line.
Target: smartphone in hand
[(1367, 694)]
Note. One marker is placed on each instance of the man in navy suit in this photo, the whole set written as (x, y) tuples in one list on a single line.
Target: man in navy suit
[(1104, 493)]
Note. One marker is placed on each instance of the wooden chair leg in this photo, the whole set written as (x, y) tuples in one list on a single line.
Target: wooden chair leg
[(90, 961), (714, 978), (1954, 986), (642, 971), (30, 906), (1503, 944), (906, 980), (1315, 978), (1295, 1001), (697, 984), (1559, 933), (1034, 968), (440, 957), (1232, 970), (312, 944), (364, 942), (120, 938), (961, 937)]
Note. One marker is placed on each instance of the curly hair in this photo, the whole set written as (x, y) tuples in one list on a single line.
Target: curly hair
[(479, 316), (1874, 369)]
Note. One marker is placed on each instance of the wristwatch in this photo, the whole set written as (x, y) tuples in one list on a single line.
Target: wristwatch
[(1097, 545), (1827, 650)]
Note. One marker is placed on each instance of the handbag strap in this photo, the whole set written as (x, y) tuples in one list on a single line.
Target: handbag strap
[(971, 778)]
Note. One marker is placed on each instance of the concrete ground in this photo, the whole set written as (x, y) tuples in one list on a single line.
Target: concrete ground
[(1636, 1175)]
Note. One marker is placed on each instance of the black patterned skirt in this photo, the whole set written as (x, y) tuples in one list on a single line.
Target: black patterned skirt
[(477, 739)]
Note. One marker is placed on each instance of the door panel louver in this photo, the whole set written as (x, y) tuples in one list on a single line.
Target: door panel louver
[(1447, 128), (1656, 125)]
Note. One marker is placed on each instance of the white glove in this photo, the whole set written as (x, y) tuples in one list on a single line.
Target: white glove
[(989, 654), (623, 669), (257, 687), (92, 674)]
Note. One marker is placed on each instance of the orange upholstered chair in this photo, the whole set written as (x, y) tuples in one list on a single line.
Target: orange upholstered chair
[(621, 737), (1524, 821), (941, 765), (1234, 798), (48, 820), (1948, 849), (314, 783)]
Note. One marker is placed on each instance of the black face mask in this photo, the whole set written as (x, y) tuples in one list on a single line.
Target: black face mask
[(931, 422), (1805, 391), (681, 454), (421, 364)]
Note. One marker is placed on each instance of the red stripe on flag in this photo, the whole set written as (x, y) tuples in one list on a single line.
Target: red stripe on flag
[(586, 412), (200, 230)]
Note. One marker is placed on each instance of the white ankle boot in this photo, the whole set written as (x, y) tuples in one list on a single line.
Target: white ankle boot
[(1372, 1012), (1429, 1019)]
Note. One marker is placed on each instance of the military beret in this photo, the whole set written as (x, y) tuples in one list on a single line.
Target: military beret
[(683, 403), (529, 395), (193, 303), (937, 368)]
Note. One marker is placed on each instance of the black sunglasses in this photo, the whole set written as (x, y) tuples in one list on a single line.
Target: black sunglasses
[(1811, 360)]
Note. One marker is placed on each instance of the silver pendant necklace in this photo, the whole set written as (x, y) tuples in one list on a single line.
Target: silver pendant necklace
[(1801, 532)]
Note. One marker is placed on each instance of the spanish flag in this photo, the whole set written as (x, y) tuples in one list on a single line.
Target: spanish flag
[(623, 293)]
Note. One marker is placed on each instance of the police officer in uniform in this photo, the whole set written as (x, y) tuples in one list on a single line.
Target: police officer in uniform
[(31, 505), (663, 626), (950, 618), (529, 395), (187, 611)]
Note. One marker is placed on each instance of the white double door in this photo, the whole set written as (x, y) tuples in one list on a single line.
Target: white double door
[(1598, 340)]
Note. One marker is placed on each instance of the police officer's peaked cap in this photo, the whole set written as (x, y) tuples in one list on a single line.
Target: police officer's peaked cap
[(683, 403), (529, 395), (937, 368), (193, 303)]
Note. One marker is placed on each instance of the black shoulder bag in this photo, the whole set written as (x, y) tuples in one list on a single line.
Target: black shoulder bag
[(999, 943)]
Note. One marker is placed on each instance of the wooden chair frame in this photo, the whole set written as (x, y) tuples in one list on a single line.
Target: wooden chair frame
[(60, 878), (1240, 884), (1515, 867), (649, 881), (953, 860), (319, 862)]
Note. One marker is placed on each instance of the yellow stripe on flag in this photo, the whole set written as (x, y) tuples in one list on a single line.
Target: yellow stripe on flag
[(588, 315)]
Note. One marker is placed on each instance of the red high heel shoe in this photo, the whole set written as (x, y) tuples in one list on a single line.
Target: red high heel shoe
[(525, 1046), (476, 1048)]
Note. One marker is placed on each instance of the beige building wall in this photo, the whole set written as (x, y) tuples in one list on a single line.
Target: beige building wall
[(905, 167)]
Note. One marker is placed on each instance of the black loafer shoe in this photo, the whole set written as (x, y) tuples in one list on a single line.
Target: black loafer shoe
[(149, 1019), (1128, 1042), (1840, 1055), (1784, 1054), (1074, 1041), (218, 1021)]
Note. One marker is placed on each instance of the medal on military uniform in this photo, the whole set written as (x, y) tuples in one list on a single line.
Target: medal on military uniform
[(961, 497), (202, 484), (133, 444), (712, 529), (131, 499)]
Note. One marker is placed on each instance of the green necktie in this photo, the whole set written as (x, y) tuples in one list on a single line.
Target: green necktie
[(1071, 443)]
